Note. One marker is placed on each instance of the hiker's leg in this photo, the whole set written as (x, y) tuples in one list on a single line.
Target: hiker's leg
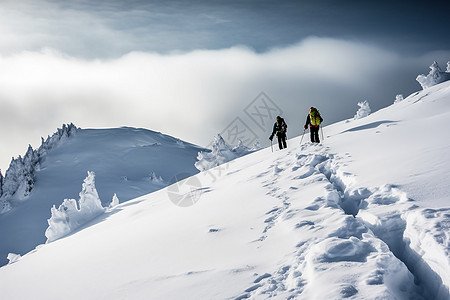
[(311, 131), (316, 134), (280, 142)]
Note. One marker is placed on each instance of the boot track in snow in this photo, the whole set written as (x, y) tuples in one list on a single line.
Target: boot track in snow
[(364, 233)]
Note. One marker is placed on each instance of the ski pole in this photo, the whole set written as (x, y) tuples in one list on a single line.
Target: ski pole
[(271, 145), (302, 137), (321, 131)]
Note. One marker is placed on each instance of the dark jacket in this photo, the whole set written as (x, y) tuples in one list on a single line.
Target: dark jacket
[(279, 128)]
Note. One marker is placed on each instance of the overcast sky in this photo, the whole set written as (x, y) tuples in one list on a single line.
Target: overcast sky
[(192, 69)]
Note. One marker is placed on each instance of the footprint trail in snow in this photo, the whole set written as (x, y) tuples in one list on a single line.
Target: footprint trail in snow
[(364, 256)]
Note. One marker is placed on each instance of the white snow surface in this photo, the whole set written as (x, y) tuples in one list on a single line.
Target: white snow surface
[(364, 215), (128, 162)]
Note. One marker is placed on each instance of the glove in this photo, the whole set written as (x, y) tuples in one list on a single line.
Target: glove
[(306, 127), (271, 137)]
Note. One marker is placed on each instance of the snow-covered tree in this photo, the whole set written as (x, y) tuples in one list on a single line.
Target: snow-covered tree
[(363, 111), (12, 258), (114, 201), (220, 154), (20, 177), (62, 221), (156, 179), (434, 77), (4, 204), (89, 202), (68, 217), (1, 183), (60, 135), (30, 163), (398, 98), (256, 146)]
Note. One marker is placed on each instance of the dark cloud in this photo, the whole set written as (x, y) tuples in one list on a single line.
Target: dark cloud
[(195, 95), (175, 66), (100, 29)]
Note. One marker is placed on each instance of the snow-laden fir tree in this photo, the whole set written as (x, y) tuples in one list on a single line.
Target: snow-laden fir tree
[(1, 183), (12, 258), (59, 136), (156, 179), (363, 111), (20, 177), (89, 202), (435, 76), (398, 98), (68, 217), (4, 205), (114, 201), (220, 154)]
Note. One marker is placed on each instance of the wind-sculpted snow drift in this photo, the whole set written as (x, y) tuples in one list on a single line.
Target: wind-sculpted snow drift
[(362, 216)]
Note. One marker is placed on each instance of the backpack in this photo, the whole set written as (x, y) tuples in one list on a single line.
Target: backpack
[(282, 126), (314, 116)]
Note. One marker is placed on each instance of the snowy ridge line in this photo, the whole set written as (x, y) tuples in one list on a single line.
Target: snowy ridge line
[(20, 177), (354, 244)]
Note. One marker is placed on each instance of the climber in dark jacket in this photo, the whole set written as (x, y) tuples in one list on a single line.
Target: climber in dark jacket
[(280, 128)]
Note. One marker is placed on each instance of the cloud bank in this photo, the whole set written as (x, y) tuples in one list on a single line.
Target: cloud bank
[(194, 95)]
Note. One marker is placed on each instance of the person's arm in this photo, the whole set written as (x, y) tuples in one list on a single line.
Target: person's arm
[(273, 131), (308, 121)]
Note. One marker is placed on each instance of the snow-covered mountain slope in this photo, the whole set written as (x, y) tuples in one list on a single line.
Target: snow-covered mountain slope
[(349, 218), (127, 161), (405, 144)]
